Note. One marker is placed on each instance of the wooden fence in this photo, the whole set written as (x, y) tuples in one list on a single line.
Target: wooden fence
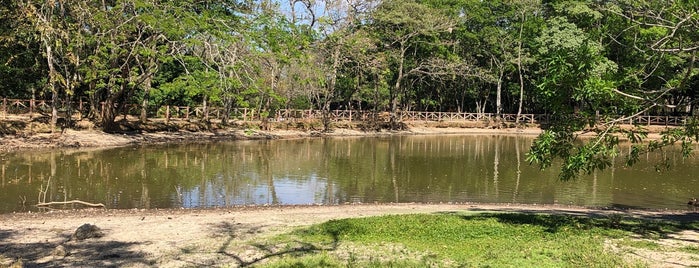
[(31, 108)]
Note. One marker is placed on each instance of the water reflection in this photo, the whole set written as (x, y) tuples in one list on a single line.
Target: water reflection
[(480, 168)]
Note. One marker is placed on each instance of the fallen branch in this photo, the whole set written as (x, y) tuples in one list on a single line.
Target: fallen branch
[(70, 202)]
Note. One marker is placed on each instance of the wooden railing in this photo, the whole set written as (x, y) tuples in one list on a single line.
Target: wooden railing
[(29, 107)]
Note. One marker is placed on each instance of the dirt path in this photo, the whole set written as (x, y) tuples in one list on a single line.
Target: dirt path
[(177, 238)]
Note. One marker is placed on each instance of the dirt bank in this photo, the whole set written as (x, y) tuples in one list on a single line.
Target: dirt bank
[(23, 134), (94, 138), (215, 237)]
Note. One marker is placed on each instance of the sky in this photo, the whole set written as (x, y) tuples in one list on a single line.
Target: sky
[(301, 10)]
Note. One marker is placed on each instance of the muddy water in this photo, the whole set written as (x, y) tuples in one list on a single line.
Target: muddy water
[(473, 168)]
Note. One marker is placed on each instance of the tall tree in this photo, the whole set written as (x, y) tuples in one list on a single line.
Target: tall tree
[(21, 63), (401, 26), (526, 15), (652, 44)]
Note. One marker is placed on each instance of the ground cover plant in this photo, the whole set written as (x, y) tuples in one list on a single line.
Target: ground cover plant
[(478, 240)]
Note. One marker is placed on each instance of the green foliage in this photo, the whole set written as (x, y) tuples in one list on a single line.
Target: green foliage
[(572, 63), (577, 61)]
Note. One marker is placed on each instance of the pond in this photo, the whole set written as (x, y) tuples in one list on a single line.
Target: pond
[(424, 169)]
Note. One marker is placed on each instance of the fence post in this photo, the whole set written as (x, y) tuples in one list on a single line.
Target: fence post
[(186, 113), (4, 108), (167, 114)]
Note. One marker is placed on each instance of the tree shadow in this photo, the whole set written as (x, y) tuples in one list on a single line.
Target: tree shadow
[(674, 228), (5, 235), (11, 127), (656, 225), (644, 225), (263, 251), (86, 253)]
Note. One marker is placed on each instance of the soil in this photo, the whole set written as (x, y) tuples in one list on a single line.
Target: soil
[(225, 236), (18, 134), (184, 131)]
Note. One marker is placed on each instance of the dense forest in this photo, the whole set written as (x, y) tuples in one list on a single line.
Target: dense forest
[(609, 57), (579, 60)]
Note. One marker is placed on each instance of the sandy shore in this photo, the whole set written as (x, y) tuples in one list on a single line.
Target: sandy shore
[(98, 139), (184, 238)]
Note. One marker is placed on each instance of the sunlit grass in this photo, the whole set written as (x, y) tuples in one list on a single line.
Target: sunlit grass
[(690, 249), (459, 240)]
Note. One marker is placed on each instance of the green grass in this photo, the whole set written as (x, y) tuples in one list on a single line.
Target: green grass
[(642, 244), (690, 249), (470, 240)]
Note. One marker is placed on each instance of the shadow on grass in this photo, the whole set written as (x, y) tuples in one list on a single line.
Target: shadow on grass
[(256, 252), (647, 225), (239, 253), (92, 253)]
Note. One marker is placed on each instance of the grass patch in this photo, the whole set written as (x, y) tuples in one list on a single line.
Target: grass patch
[(642, 244), (462, 240), (690, 249)]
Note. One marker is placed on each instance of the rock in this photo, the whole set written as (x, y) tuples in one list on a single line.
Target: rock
[(86, 231), (60, 251)]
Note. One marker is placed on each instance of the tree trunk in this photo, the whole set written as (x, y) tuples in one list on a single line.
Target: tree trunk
[(205, 109), (109, 114), (52, 84), (375, 110), (147, 83), (112, 105), (94, 111), (331, 90), (69, 114), (397, 88), (498, 96), (519, 70), (265, 118), (227, 107)]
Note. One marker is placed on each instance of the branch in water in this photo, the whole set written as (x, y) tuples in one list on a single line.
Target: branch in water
[(70, 202)]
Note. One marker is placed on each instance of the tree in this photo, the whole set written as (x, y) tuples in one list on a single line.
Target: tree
[(222, 46), (277, 43), (657, 43), (400, 27), (51, 21), (526, 16), (338, 44), (20, 58)]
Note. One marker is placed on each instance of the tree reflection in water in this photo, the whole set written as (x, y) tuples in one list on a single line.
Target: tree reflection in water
[(475, 168)]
